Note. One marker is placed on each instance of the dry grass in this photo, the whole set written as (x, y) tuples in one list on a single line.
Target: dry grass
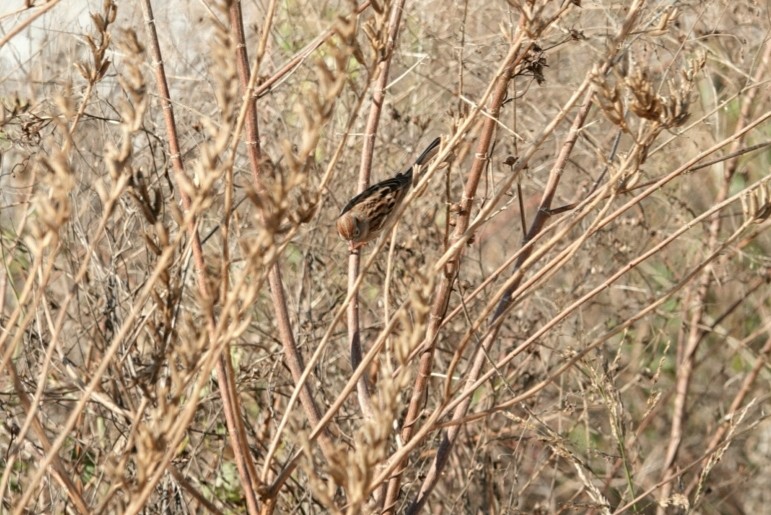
[(573, 314)]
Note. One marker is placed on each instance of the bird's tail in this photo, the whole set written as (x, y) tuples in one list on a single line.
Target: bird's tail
[(430, 152), (423, 158)]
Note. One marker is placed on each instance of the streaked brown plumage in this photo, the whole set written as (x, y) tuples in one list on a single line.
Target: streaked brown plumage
[(372, 211)]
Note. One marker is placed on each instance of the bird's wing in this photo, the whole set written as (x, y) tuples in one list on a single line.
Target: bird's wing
[(377, 192)]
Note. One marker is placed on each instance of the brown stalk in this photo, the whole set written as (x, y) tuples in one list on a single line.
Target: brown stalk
[(442, 298), (224, 368), (299, 385), (482, 352), (51, 456), (365, 168), (292, 354), (687, 349), (486, 211), (528, 254), (430, 424), (350, 385), (464, 231), (736, 404), (445, 447), (266, 84), (109, 353), (179, 430), (47, 6), (632, 264)]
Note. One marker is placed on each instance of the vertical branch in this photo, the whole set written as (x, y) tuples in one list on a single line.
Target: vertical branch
[(291, 353), (482, 352), (445, 447), (224, 366), (687, 350), (378, 95), (442, 298)]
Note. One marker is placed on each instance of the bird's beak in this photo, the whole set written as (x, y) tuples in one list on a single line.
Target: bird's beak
[(354, 247)]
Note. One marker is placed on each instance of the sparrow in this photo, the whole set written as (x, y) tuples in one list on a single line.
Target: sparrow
[(373, 211)]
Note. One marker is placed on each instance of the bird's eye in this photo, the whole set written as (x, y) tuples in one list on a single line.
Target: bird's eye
[(356, 230)]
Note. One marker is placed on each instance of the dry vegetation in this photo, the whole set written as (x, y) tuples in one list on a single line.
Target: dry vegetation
[(572, 315)]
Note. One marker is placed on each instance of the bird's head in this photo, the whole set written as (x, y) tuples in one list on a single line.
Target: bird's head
[(351, 228)]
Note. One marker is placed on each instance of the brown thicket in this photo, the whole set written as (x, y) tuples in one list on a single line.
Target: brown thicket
[(572, 315)]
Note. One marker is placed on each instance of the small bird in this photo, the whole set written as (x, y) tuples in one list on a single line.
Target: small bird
[(373, 210)]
